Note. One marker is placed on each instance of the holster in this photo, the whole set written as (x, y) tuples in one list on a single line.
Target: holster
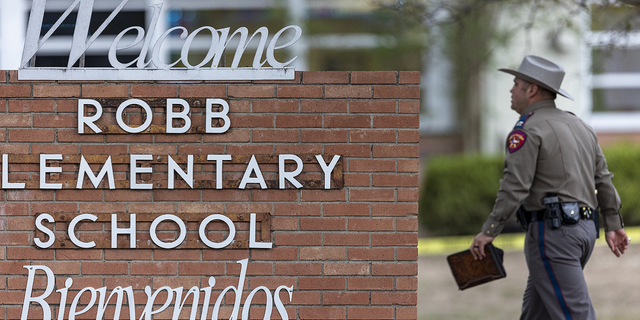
[(524, 218), (553, 215)]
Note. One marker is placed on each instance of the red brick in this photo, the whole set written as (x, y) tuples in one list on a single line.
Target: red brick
[(71, 135), (275, 254), (372, 106), (407, 224), (407, 254), (75, 254), (251, 91), (201, 268), (79, 195), (29, 195), (284, 224), (225, 195), (371, 224), (148, 268), (251, 120), (297, 209), (405, 106), (369, 283), (356, 136), (371, 194), (322, 77), (393, 92), (394, 209), (125, 254), (373, 77), (326, 136), (31, 135), (298, 121), (298, 148), (298, 239), (177, 195), (370, 313), (233, 135), (128, 195), (342, 298), (408, 195), (56, 91), (323, 224), (408, 136), (322, 312), (20, 223), (409, 77), (349, 150), (321, 253), (15, 120), (32, 106), (300, 91), (346, 239), (155, 90), (394, 298), (111, 268), (407, 283), (14, 209), (394, 269), (356, 180), (395, 180), (375, 165), (15, 91), (347, 121), (272, 135), (298, 268), (66, 105), (274, 195), (396, 121), (396, 151), (347, 92), (296, 80), (350, 269), (324, 195), (372, 254), (203, 91), (275, 106), (394, 239), (3, 76), (105, 91), (346, 209), (323, 106), (27, 253), (321, 283)]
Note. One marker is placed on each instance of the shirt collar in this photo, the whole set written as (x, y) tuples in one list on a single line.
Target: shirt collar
[(539, 105)]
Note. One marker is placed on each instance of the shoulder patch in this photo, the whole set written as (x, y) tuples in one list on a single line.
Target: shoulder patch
[(522, 121), (516, 140)]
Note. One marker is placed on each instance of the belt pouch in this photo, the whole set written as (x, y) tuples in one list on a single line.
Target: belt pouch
[(570, 213)]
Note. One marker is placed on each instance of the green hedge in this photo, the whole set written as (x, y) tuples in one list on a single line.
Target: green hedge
[(459, 191)]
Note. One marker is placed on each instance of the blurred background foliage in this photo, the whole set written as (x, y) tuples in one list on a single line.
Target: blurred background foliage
[(459, 191)]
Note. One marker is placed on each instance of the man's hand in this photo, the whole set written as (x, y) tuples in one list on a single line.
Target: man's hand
[(477, 247), (618, 241)]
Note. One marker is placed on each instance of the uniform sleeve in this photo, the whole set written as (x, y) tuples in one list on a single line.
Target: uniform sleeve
[(519, 171), (608, 198)]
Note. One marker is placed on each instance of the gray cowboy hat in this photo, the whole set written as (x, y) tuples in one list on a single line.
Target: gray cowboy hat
[(542, 72)]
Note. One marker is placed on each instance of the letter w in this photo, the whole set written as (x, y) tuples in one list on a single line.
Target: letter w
[(33, 43)]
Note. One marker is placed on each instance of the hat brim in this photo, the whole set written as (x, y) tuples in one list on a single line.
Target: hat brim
[(537, 82)]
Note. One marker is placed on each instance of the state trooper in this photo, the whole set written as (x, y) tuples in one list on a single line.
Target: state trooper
[(555, 176)]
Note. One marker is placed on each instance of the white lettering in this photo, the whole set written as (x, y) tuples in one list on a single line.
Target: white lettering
[(184, 115), (127, 128), (89, 121), (84, 169), (5, 175), (131, 231), (327, 169), (251, 168), (46, 311), (44, 170), (290, 176), (219, 115), (45, 230), (202, 231), (174, 167), (162, 244), (252, 236), (219, 158), (134, 170), (71, 230)]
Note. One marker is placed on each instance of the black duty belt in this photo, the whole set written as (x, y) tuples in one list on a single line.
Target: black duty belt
[(585, 213)]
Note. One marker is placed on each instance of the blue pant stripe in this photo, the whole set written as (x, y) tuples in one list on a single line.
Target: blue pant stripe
[(552, 276)]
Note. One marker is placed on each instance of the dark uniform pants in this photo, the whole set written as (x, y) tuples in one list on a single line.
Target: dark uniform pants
[(556, 288)]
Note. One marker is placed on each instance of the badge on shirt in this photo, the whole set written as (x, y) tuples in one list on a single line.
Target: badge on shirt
[(516, 140)]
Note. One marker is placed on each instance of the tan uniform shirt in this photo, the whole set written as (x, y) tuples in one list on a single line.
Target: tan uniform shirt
[(553, 151)]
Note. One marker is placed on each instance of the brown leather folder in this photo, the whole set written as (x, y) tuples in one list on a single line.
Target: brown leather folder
[(469, 272)]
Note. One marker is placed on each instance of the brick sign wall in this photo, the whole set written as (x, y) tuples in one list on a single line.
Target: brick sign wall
[(341, 245)]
